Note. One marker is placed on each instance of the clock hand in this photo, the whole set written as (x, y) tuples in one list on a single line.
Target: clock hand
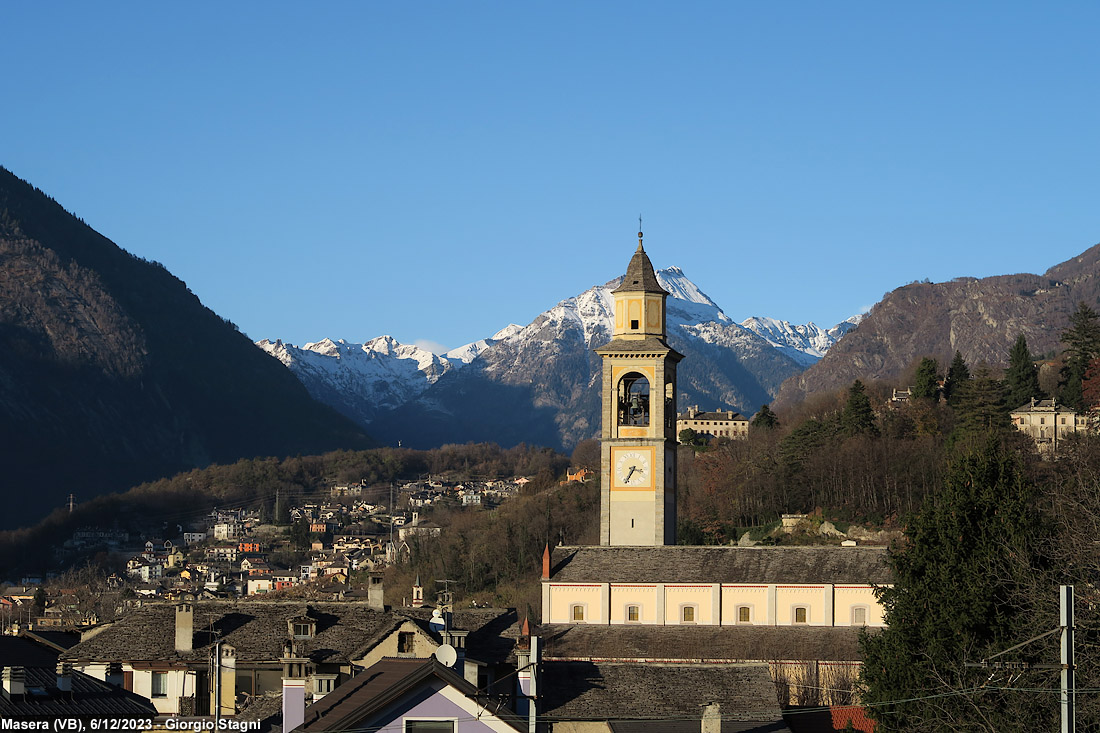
[(631, 473)]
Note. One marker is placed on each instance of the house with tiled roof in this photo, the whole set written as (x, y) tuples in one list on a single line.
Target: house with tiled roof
[(173, 654), (401, 695), (36, 688)]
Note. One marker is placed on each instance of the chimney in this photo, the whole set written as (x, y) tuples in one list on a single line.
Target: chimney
[(185, 627), (712, 718), (114, 676), (226, 695), (523, 670), (14, 684), (375, 597), (294, 687), (64, 677)]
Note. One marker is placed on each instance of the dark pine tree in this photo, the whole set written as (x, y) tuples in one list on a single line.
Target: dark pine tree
[(927, 381), (765, 418), (981, 405), (957, 376), (858, 418), (1082, 340), (1021, 377), (954, 601)]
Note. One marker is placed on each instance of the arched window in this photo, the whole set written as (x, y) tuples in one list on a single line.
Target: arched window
[(687, 615), (578, 612), (859, 616), (800, 614), (633, 613), (634, 400), (744, 615)]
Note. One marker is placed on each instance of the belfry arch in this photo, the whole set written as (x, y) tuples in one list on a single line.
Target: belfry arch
[(633, 400)]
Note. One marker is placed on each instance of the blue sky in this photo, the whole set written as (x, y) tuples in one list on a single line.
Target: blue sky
[(437, 170)]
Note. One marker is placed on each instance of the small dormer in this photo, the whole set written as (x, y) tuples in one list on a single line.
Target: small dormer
[(302, 626)]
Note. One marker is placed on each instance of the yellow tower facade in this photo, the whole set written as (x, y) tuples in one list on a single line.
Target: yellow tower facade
[(638, 438)]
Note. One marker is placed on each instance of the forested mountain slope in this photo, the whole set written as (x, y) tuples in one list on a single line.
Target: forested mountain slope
[(112, 372)]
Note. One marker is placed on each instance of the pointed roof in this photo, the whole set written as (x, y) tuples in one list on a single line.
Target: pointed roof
[(639, 275)]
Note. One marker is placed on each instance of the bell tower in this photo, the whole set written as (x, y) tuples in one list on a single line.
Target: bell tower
[(638, 438)]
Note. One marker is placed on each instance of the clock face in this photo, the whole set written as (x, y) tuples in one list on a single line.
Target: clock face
[(632, 468)]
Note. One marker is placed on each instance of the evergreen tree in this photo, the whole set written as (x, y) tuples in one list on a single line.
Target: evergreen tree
[(858, 418), (1021, 377), (957, 376), (954, 601), (927, 382), (1082, 340), (981, 408), (765, 418)]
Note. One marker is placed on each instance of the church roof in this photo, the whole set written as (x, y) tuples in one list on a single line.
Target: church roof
[(701, 643), (683, 564), (659, 692), (644, 346), (639, 275)]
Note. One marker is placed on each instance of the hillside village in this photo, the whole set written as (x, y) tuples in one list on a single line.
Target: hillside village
[(234, 553)]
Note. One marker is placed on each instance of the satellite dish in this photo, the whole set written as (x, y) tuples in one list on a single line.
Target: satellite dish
[(446, 655)]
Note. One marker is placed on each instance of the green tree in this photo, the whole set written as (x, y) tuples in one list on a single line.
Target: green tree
[(299, 534), (858, 418), (957, 376), (765, 418), (981, 407), (688, 436), (1021, 377), (954, 600), (1082, 340), (927, 382)]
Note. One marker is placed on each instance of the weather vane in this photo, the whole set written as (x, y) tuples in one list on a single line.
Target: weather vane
[(639, 230)]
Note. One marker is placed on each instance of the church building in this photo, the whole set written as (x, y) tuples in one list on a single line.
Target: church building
[(790, 613)]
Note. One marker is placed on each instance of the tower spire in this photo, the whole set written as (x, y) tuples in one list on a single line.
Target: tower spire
[(640, 248)]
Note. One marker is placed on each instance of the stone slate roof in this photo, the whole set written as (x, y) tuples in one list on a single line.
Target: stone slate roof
[(383, 683), (683, 564), (257, 629), (639, 275), (666, 692), (700, 643), (90, 698)]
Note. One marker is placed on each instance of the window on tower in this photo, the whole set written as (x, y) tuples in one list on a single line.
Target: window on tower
[(634, 400)]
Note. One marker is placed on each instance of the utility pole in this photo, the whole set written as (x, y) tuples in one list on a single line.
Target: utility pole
[(1069, 689)]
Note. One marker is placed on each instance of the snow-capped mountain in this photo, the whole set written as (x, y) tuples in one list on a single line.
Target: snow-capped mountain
[(465, 354), (537, 383), (805, 344), (362, 380)]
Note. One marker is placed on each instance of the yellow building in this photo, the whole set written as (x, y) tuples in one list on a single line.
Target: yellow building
[(715, 586), (1046, 422), (717, 424)]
